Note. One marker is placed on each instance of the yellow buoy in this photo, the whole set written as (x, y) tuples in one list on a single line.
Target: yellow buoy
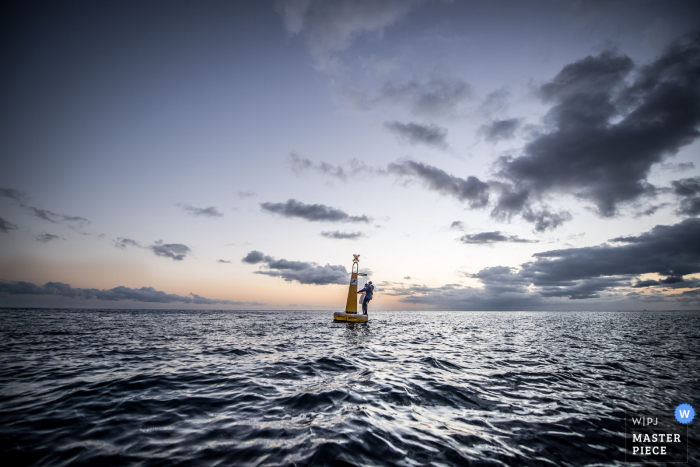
[(350, 314)]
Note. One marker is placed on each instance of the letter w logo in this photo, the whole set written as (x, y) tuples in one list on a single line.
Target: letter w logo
[(684, 413)]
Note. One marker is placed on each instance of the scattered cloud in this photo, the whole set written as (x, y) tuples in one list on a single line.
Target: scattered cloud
[(47, 237), (495, 103), (458, 225), (605, 130), (6, 226), (122, 243), (299, 271), (415, 133), (300, 165), (223, 261), (499, 130), (143, 294), (17, 195), (175, 251), (55, 218), (342, 235), (211, 211), (435, 97), (246, 194), (471, 189), (688, 190), (331, 27), (311, 212), (488, 238)]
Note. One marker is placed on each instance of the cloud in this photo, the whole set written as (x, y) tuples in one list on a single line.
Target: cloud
[(6, 226), (670, 251), (223, 261), (434, 97), (342, 235), (499, 130), (311, 212), (605, 134), (122, 243), (495, 102), (50, 216), (492, 237), (300, 165), (471, 189), (246, 194), (665, 250), (53, 217), (255, 257), (17, 195), (331, 27), (414, 133), (206, 212), (143, 294), (299, 271), (545, 219), (47, 237), (176, 251), (457, 225), (688, 189)]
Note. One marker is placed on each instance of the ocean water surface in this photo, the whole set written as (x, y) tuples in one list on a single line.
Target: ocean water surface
[(214, 388)]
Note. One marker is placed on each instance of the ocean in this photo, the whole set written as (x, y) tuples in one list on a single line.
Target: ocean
[(293, 388)]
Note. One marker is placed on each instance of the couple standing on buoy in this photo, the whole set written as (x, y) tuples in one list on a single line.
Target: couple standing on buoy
[(368, 290)]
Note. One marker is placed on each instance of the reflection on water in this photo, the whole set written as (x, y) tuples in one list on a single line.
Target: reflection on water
[(294, 388)]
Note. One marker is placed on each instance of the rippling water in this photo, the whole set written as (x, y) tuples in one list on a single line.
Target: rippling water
[(293, 388)]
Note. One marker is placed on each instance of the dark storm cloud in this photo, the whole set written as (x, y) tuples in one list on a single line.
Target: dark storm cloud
[(688, 189), (144, 294), (47, 237), (122, 243), (414, 133), (667, 250), (17, 195), (434, 97), (342, 235), (492, 237), (471, 189), (6, 226), (499, 130), (300, 271), (211, 211), (583, 290), (605, 134), (311, 212), (175, 251), (579, 274)]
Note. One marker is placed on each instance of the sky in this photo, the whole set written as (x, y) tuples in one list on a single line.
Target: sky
[(478, 155)]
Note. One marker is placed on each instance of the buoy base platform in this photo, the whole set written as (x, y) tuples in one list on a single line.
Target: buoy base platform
[(350, 317)]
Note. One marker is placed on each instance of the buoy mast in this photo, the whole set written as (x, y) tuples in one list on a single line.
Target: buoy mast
[(351, 305)]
